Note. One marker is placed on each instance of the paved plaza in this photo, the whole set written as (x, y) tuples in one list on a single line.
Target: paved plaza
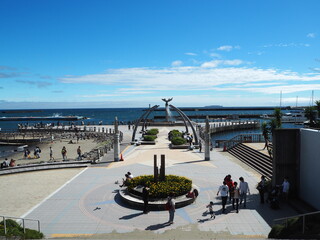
[(89, 203)]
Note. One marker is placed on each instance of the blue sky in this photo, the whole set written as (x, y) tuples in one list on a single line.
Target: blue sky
[(127, 53)]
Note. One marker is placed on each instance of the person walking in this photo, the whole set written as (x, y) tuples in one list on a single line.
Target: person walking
[(285, 188), (79, 153), (210, 206), (64, 153), (51, 153), (229, 183), (236, 196), (145, 197), (171, 206), (261, 188), (223, 190), (200, 146), (244, 190)]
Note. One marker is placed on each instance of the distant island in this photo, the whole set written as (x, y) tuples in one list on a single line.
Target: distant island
[(213, 106)]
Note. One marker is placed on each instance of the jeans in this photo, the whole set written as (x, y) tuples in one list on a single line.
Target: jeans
[(224, 202), (171, 215), (243, 196)]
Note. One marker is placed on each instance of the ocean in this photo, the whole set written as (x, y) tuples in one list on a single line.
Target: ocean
[(107, 116)]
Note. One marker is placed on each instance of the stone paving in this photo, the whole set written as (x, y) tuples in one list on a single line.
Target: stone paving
[(89, 204)]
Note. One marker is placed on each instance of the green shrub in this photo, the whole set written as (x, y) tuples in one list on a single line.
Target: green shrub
[(15, 230), (172, 184), (153, 131), (178, 141), (33, 234), (175, 133), (149, 137)]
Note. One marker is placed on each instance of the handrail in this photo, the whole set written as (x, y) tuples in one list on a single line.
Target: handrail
[(300, 215), (248, 137), (23, 222)]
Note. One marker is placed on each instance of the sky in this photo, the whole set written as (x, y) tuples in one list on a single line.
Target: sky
[(132, 53)]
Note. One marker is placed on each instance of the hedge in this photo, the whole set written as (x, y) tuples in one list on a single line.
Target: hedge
[(173, 184), (178, 141), (149, 137), (153, 131)]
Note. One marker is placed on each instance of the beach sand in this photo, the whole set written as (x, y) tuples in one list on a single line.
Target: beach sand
[(21, 192), (85, 145)]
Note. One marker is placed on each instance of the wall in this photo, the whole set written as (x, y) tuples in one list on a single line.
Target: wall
[(286, 157), (310, 167)]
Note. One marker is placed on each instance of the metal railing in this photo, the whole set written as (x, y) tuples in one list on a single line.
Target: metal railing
[(242, 138), (297, 216), (23, 220)]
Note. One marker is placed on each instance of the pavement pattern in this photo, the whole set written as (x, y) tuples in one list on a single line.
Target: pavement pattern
[(89, 204)]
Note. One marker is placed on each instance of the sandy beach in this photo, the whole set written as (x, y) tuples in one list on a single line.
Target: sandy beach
[(86, 146)]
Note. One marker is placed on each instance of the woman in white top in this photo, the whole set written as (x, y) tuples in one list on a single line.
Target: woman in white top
[(236, 196)]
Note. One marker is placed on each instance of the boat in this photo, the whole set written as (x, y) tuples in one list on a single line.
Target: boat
[(294, 116), (265, 116)]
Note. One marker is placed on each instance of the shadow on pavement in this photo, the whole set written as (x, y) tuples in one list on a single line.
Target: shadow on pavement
[(157, 226), (197, 161), (127, 217)]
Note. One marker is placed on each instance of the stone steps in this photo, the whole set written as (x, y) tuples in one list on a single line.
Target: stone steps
[(253, 158)]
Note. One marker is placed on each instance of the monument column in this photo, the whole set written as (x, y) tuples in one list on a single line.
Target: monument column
[(207, 140), (116, 140)]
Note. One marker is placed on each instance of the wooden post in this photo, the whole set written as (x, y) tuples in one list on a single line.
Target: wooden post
[(162, 168), (155, 169)]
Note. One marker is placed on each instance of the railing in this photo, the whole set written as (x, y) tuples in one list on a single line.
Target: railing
[(242, 138), (5, 218), (297, 216), (228, 125)]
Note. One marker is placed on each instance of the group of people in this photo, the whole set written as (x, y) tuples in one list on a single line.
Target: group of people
[(6, 163), (237, 193), (273, 192), (36, 153)]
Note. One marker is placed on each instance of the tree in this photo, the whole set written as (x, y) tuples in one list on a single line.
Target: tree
[(310, 115), (278, 115), (318, 106)]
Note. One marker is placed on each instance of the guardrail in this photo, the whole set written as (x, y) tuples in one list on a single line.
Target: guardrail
[(242, 138), (297, 216), (5, 218)]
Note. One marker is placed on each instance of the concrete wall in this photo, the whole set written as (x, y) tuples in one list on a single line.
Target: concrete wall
[(286, 158), (310, 167)]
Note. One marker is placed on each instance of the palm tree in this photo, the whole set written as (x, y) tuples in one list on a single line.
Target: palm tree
[(277, 114), (310, 115)]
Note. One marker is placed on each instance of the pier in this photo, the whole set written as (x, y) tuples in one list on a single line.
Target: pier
[(223, 126)]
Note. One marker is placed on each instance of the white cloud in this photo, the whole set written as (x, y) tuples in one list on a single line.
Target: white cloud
[(191, 54), (176, 63), (215, 55), (227, 48), (139, 81), (216, 63), (287, 45), (311, 35)]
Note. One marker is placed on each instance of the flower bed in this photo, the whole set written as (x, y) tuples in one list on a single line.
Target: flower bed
[(173, 184)]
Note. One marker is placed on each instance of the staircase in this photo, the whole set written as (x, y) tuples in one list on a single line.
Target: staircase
[(253, 158)]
